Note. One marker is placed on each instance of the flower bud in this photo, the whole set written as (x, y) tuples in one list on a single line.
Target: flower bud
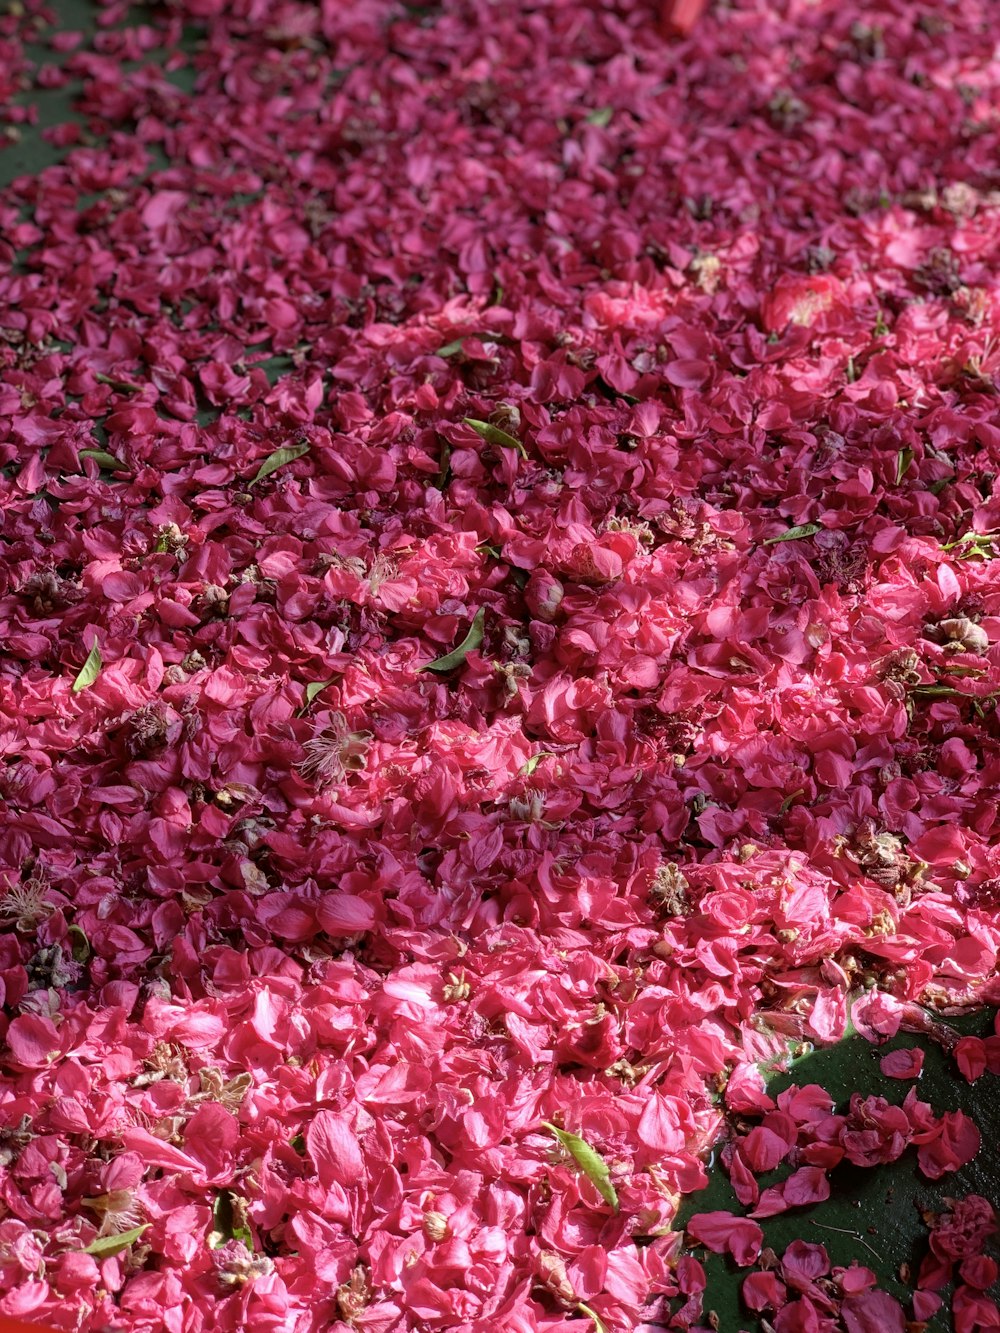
[(965, 635), (543, 594), (435, 1226)]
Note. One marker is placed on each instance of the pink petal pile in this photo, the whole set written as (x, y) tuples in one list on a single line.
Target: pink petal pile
[(499, 628)]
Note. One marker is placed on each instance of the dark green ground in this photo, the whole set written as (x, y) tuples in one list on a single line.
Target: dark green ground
[(879, 1209)]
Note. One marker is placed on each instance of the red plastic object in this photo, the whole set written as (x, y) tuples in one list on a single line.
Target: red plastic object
[(680, 16)]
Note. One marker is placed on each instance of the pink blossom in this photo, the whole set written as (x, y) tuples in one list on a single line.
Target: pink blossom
[(961, 1231), (903, 1064), (722, 1232), (872, 1312), (952, 1143)]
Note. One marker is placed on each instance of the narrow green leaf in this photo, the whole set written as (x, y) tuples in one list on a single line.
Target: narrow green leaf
[(590, 1162), (793, 534), (600, 117), (965, 538), (599, 1325), (278, 459), (103, 459), (450, 349), (444, 470), (123, 386), (526, 770), (317, 687), (947, 692), (106, 1246), (79, 944), (90, 670), (494, 435), (229, 1221), (903, 460), (974, 543), (789, 800), (458, 655)]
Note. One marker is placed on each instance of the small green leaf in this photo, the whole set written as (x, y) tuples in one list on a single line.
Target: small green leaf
[(79, 944), (600, 117), (789, 801), (444, 470), (278, 459), (793, 534), (591, 1163), (937, 487), (450, 349), (317, 687), (298, 1144), (526, 770), (123, 386), (494, 435), (973, 543), (947, 692), (599, 1325), (229, 1221), (90, 670), (103, 459), (903, 460), (965, 538), (458, 655), (106, 1246)]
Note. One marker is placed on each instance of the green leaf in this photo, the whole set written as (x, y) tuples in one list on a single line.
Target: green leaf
[(526, 770), (903, 460), (103, 459), (278, 459), (793, 534), (444, 470), (494, 435), (599, 1325), (790, 799), (123, 386), (106, 1246), (974, 543), (317, 687), (458, 655), (600, 117), (591, 1163), (90, 670), (79, 944), (450, 349), (947, 692), (229, 1221)]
